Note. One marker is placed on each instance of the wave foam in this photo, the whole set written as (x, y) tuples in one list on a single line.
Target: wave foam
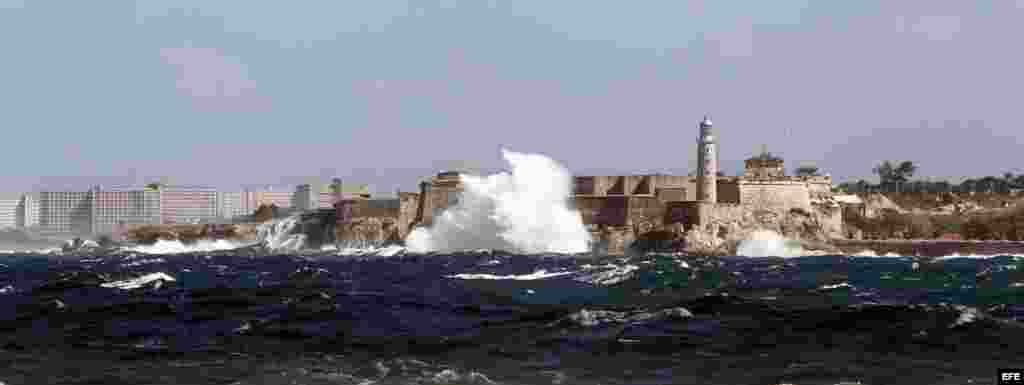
[(525, 212), (385, 251), (767, 243), (539, 274), (176, 247), (874, 254), (279, 235), (979, 256), (138, 282)]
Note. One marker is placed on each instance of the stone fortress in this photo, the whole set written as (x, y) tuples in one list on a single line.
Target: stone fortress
[(622, 209)]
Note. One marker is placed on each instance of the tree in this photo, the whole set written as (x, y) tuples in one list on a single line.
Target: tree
[(807, 171), (886, 173), (906, 170), (862, 185), (903, 173)]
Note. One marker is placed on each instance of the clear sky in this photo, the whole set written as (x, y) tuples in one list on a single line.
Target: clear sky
[(243, 92)]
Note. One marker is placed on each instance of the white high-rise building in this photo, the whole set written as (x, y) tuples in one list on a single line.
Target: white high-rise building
[(9, 203), (65, 212), (28, 211), (232, 204)]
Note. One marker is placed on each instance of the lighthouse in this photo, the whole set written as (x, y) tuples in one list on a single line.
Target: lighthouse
[(707, 164)]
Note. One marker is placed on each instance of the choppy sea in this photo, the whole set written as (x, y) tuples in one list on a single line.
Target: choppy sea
[(493, 318)]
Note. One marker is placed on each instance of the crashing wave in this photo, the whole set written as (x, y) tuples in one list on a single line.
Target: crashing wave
[(767, 243), (524, 211), (281, 235)]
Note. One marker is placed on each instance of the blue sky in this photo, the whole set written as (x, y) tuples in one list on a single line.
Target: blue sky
[(231, 93)]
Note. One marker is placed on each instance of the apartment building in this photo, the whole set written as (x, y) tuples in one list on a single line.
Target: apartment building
[(232, 204), (28, 211), (9, 203), (65, 212), (123, 206), (187, 204), (282, 197), (311, 197)]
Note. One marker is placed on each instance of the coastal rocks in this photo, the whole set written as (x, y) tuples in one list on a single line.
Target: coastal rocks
[(372, 230), (188, 233), (722, 234), (875, 204)]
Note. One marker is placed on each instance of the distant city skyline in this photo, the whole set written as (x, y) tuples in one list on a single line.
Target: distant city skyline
[(233, 93)]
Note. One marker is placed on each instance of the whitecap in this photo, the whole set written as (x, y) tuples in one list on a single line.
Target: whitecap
[(978, 256), (138, 282), (836, 286), (615, 275), (539, 274)]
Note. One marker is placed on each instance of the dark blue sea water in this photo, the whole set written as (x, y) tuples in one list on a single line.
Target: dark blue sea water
[(510, 319)]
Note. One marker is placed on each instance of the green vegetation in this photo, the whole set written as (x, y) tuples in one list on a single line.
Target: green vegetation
[(895, 177)]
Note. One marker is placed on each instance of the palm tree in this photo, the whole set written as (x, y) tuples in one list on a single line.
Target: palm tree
[(886, 173), (904, 172)]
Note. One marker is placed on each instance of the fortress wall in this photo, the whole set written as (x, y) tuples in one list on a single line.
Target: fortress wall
[(670, 181), (728, 191), (691, 189), (776, 194), (819, 186), (407, 208), (631, 182), (596, 185), (603, 211), (671, 194), (646, 213), (583, 185), (725, 213), (604, 184), (685, 213)]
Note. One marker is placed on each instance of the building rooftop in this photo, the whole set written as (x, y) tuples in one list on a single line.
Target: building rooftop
[(765, 157), (4, 196)]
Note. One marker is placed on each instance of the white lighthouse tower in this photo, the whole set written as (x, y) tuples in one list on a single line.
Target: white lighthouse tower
[(707, 164)]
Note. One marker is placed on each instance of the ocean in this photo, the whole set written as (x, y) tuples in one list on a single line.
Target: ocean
[(488, 317)]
